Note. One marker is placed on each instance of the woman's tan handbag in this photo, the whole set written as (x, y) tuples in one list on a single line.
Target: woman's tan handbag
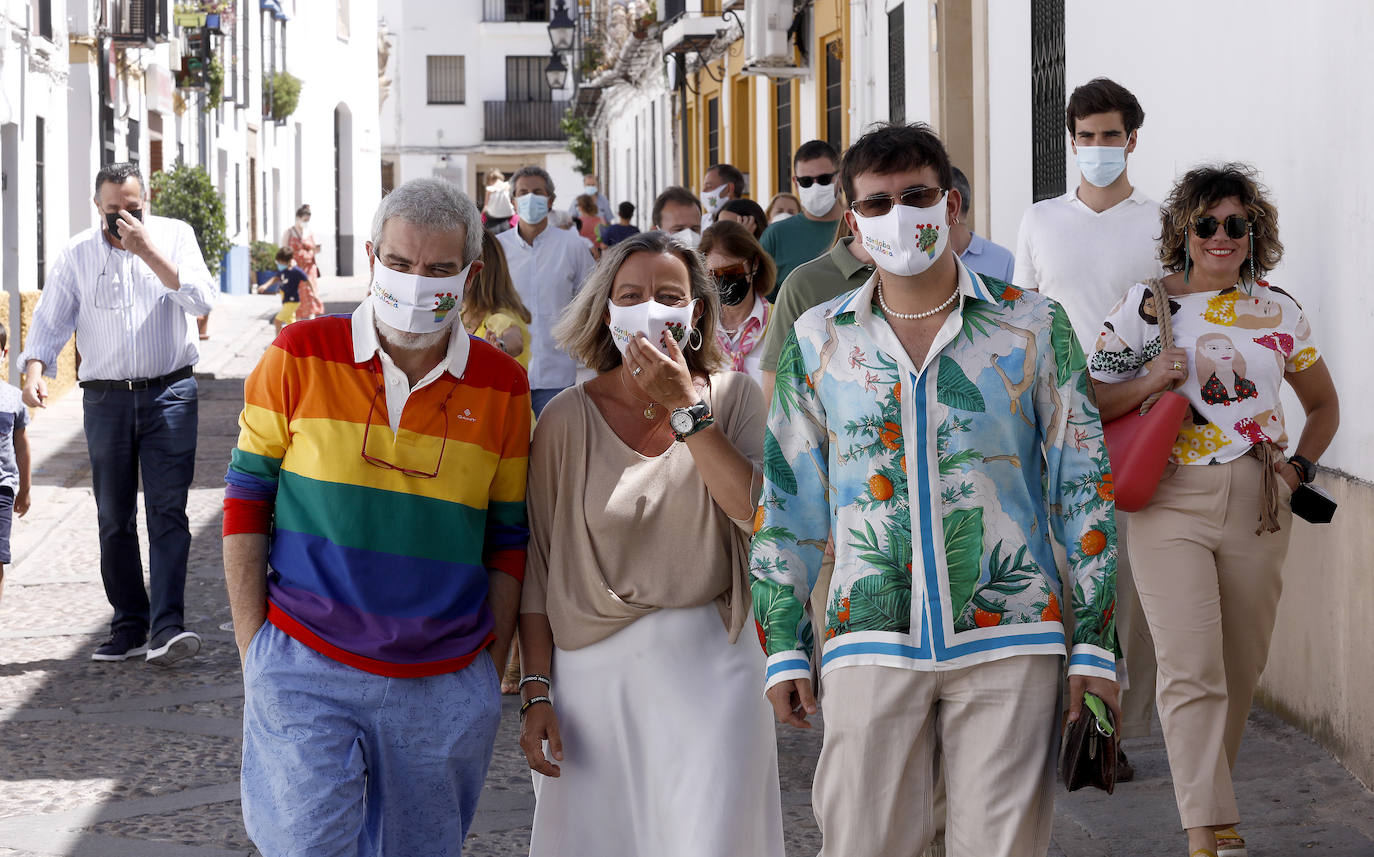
[(1139, 442)]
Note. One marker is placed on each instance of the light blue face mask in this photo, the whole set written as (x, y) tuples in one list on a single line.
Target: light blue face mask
[(1101, 165), (532, 207), (589, 190)]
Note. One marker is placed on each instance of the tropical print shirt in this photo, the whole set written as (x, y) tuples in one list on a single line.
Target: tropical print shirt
[(941, 485), (1240, 346)]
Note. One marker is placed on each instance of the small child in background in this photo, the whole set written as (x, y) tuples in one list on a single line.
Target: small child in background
[(289, 277), (15, 477)]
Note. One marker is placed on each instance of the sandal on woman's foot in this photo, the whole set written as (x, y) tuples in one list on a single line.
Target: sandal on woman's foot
[(1230, 843), (1204, 852), (510, 682)]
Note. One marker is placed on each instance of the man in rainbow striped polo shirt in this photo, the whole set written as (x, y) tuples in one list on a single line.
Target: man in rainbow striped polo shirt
[(374, 544)]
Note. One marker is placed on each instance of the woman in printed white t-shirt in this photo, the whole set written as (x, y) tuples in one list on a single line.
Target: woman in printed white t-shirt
[(1208, 549)]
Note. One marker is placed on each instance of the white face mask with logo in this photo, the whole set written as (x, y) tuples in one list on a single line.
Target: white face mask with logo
[(907, 240), (818, 199), (652, 319), (712, 200), (413, 303)]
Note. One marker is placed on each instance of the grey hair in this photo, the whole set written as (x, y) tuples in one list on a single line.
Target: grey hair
[(560, 219), (965, 192), (582, 332), (117, 174), (431, 203), (532, 170)]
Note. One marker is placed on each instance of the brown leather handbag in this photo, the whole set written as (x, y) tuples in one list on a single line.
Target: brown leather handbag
[(1088, 757)]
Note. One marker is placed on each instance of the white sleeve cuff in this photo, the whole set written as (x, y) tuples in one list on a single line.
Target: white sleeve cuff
[(1094, 661), (787, 666)]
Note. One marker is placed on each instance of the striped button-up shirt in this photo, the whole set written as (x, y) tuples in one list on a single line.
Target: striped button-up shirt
[(127, 323)]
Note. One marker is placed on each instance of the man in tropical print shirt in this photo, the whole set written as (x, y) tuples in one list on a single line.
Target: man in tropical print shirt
[(939, 427)]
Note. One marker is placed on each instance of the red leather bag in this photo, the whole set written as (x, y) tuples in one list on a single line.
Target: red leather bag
[(1139, 442)]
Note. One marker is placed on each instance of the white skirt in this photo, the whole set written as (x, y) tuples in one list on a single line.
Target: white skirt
[(668, 746)]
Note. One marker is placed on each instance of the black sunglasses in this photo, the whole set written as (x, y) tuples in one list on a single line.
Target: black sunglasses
[(824, 180), (881, 203), (1237, 227)]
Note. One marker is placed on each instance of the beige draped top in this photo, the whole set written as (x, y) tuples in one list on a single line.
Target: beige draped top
[(615, 535)]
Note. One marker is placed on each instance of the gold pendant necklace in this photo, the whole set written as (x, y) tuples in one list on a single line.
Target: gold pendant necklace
[(649, 412)]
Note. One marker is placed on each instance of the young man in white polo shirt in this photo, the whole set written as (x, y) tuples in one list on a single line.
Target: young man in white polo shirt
[(1085, 249)]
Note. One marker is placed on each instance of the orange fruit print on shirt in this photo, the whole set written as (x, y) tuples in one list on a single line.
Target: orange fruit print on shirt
[(1093, 542), (880, 487)]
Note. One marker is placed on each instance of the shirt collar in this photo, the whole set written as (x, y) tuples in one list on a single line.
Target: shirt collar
[(860, 302), (1137, 196), (366, 345), (976, 243), (844, 260)]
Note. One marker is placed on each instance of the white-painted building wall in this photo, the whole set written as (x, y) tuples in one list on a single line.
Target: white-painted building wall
[(450, 140)]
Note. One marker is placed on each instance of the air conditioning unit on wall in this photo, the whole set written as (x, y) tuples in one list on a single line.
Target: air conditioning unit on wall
[(770, 50)]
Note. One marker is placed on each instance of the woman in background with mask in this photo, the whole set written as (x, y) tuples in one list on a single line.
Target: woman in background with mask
[(641, 677), (300, 240), (744, 276), (783, 206)]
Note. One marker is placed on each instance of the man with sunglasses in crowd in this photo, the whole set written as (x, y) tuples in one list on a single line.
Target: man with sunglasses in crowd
[(374, 547), (796, 240), (128, 289), (927, 415), (1085, 249)]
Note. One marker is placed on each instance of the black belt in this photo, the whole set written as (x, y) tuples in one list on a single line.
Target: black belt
[(139, 383)]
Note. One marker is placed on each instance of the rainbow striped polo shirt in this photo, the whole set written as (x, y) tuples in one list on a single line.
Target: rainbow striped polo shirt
[(370, 566)]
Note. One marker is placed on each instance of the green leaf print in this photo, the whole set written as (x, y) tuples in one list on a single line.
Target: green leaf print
[(881, 602), (775, 466), (953, 388), (777, 608), (791, 375), (963, 555), (773, 536), (978, 317), (1068, 354)]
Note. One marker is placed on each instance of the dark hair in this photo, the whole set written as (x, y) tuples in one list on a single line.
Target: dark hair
[(894, 148), (303, 211), (748, 208), (1101, 95), (730, 176), (586, 203), (813, 150), (284, 254), (1202, 188), (733, 239), (965, 192), (118, 173), (577, 223), (676, 194), (626, 210), (4, 337)]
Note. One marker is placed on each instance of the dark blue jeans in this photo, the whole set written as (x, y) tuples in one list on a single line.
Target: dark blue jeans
[(152, 432)]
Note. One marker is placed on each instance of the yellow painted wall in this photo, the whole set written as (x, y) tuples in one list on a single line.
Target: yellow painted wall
[(66, 358)]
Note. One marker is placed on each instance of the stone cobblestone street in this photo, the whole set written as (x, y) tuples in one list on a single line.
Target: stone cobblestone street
[(128, 760)]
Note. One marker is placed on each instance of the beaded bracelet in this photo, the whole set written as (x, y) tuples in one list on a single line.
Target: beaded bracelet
[(534, 700), (542, 679)]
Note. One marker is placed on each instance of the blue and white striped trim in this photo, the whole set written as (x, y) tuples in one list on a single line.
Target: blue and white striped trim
[(885, 648), (1095, 661), (787, 666)]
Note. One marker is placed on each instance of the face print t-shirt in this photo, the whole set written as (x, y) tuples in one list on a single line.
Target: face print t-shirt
[(1239, 347)]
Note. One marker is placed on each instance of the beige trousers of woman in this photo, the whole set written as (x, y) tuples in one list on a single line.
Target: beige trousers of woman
[(1210, 588)]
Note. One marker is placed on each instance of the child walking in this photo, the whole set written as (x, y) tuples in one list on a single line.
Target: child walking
[(291, 279), (14, 460)]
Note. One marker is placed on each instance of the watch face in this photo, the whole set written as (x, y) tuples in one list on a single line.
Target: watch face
[(681, 421)]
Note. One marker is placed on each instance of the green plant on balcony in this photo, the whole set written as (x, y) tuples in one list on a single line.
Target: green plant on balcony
[(592, 59), (186, 193), (285, 89), (214, 81), (579, 141), (264, 255)]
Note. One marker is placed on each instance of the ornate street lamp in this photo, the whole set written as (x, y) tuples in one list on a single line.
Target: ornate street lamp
[(561, 29), (556, 73)]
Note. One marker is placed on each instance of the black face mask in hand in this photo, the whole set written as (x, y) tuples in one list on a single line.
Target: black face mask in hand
[(112, 220)]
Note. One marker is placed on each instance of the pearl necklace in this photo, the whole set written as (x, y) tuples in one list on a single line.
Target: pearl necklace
[(910, 316)]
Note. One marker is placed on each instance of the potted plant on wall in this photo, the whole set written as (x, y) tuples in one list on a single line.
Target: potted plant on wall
[(186, 193), (264, 256), (284, 91)]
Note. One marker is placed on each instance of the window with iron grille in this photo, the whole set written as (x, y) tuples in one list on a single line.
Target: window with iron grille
[(783, 145), (896, 65), (1047, 98), (834, 100), (712, 131), (527, 10), (444, 80), (525, 80)]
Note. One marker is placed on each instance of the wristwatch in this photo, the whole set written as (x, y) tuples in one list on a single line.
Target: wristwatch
[(686, 422), (1307, 471)]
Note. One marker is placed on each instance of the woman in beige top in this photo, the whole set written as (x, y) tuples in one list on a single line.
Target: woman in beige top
[(643, 719)]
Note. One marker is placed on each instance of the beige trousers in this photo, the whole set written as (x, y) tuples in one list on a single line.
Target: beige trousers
[(994, 726), (1138, 649), (1210, 588)]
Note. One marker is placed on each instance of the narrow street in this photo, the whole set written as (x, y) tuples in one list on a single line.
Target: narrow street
[(127, 760)]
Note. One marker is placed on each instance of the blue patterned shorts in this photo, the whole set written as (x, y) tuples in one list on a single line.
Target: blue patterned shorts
[(338, 762)]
